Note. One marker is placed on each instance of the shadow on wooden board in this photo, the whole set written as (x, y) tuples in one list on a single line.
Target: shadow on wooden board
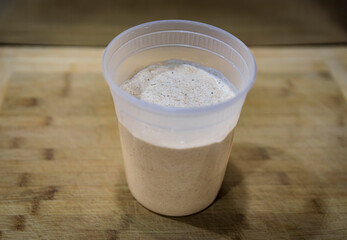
[(95, 23), (236, 213), (227, 215)]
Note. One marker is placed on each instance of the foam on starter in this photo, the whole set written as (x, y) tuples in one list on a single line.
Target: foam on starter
[(179, 84)]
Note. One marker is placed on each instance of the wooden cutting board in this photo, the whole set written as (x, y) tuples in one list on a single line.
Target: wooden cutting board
[(61, 170)]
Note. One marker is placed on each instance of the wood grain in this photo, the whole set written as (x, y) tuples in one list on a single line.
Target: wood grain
[(61, 170)]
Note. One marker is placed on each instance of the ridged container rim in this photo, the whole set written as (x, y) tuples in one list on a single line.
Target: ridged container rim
[(186, 111)]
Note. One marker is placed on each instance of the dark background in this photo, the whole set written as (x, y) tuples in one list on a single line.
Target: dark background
[(95, 23)]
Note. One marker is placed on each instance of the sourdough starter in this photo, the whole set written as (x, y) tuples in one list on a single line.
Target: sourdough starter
[(176, 182)]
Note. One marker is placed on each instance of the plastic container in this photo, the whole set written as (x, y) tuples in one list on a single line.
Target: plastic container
[(175, 158)]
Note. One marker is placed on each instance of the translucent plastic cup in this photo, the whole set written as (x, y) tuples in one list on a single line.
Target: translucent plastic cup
[(175, 158)]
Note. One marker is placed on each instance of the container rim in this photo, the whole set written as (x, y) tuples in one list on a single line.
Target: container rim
[(185, 111)]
